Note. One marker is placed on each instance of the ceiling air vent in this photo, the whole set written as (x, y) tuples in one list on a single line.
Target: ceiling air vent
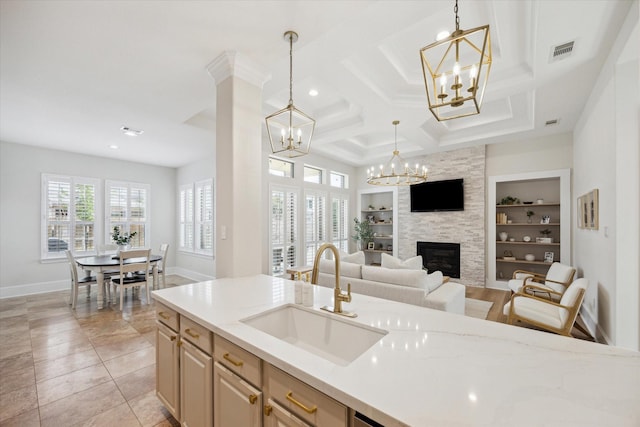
[(561, 51), (551, 122)]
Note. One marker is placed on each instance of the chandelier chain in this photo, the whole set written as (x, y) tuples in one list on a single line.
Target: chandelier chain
[(290, 68), (455, 9)]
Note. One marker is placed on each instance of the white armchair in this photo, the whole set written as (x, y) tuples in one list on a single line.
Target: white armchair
[(552, 285), (558, 317)]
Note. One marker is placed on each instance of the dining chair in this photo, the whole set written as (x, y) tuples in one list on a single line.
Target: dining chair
[(558, 317), (108, 249), (76, 281), (164, 250), (129, 273)]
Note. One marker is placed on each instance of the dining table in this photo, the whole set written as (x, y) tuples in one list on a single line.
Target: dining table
[(108, 263)]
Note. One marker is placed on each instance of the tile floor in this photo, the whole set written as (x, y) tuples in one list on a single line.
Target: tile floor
[(83, 367)]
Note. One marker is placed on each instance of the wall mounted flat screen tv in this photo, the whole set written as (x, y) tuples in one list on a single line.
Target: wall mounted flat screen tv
[(438, 196)]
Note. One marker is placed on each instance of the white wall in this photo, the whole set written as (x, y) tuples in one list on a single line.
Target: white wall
[(21, 166), (607, 157), (192, 265)]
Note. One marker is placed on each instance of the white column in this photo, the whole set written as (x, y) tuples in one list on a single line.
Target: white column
[(238, 198)]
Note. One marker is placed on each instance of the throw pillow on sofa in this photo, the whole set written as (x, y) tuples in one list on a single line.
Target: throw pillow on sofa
[(356, 257), (395, 276), (389, 261)]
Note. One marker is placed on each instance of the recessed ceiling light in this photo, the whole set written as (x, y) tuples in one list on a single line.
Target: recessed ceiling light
[(113, 147), (313, 92), (131, 132), (442, 35)]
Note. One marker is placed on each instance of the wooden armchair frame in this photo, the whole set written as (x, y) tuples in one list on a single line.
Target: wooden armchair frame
[(536, 282)]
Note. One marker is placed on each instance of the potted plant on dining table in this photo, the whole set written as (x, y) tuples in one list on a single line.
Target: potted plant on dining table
[(123, 240)]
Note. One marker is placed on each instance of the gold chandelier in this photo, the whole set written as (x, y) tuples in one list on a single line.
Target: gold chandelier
[(447, 61), (396, 171), (290, 130)]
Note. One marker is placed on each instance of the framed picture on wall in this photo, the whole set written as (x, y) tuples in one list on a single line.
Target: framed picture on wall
[(548, 257), (588, 216)]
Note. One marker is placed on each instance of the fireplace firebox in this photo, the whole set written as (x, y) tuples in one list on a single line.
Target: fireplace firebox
[(444, 257)]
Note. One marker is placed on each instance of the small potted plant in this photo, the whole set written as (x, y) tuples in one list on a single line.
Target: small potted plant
[(364, 233), (123, 240), (508, 200), (546, 239), (372, 208), (529, 215)]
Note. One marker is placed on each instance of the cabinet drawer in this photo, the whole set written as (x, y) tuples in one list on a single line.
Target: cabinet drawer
[(303, 400), (167, 316), (196, 334), (239, 360)]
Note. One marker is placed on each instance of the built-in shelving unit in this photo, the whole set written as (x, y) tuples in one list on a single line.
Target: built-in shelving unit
[(379, 207), (512, 234)]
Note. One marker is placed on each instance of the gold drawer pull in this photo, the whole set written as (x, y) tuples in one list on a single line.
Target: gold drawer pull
[(311, 410), (253, 398), (164, 316), (173, 337), (268, 409), (228, 357), (191, 334)]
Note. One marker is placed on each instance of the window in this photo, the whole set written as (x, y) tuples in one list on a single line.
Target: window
[(340, 222), (204, 217), (338, 180), (127, 206), (312, 174), (196, 217), (314, 224), (280, 167), (284, 229), (69, 213)]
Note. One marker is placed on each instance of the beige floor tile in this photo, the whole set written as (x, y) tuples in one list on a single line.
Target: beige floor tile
[(66, 316), (120, 416), (36, 314), (151, 337), (17, 402), (13, 312), (122, 334), (69, 323), (57, 338), (73, 382), (47, 369), (16, 379), (11, 325), (169, 422), (26, 419), (63, 349), (110, 351), (8, 349), (137, 383), (149, 410), (131, 362), (15, 363), (82, 406)]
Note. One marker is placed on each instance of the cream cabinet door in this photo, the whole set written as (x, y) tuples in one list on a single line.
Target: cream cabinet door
[(167, 369), (196, 404), (236, 402), (276, 416)]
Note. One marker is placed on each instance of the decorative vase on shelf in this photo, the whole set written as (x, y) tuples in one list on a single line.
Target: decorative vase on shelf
[(503, 236), (121, 248)]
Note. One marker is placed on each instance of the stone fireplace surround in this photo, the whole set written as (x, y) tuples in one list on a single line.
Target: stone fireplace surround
[(464, 227)]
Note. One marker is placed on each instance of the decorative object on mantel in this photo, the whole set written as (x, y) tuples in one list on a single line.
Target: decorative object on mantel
[(290, 130), (403, 175), (588, 210), (447, 58), (122, 240)]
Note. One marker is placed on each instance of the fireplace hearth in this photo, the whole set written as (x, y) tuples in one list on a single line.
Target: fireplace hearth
[(444, 257)]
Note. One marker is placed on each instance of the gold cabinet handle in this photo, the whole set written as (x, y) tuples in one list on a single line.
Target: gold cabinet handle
[(173, 337), (164, 316), (268, 409), (191, 334), (308, 410), (228, 357), (253, 399)]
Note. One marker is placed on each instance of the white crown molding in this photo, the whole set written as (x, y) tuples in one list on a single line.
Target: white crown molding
[(231, 63)]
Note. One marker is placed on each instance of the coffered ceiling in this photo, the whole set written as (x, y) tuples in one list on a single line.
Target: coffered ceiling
[(72, 73)]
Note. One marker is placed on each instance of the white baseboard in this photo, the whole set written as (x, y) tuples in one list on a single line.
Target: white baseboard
[(34, 288), (63, 285)]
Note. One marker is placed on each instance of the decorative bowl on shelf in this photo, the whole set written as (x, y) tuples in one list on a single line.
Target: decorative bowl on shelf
[(530, 257)]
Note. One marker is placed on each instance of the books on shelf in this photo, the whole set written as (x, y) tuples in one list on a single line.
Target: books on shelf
[(501, 218)]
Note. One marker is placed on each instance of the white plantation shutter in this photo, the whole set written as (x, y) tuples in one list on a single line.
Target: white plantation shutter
[(340, 222), (186, 218), (204, 217), (284, 224), (314, 223), (69, 215), (127, 206)]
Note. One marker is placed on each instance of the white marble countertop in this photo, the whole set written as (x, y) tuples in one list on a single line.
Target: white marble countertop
[(433, 368)]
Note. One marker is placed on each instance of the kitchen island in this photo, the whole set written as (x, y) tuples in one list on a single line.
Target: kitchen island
[(431, 367)]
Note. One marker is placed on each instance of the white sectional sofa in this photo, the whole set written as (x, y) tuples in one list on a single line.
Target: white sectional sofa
[(398, 284)]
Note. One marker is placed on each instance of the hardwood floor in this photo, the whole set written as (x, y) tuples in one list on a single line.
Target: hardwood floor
[(499, 299)]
